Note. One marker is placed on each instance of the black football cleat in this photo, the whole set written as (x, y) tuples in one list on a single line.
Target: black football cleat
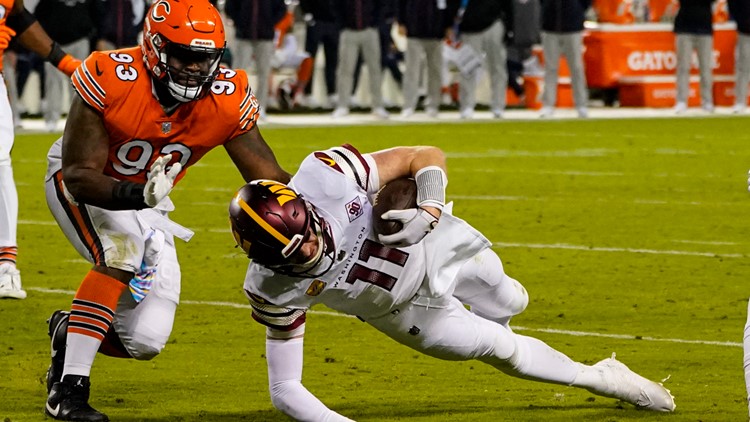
[(58, 334), (69, 401)]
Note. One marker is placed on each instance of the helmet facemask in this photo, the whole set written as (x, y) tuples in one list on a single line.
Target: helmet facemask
[(323, 259), (183, 84)]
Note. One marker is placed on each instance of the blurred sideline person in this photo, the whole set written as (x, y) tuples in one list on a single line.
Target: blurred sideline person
[(141, 116), (72, 24), (288, 55), (740, 12), (484, 26), (254, 22), (313, 242), (694, 30), (562, 35), (424, 23), (359, 34), (321, 28), (119, 23), (16, 21)]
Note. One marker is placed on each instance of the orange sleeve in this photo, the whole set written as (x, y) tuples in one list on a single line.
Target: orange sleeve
[(249, 110), (88, 81)]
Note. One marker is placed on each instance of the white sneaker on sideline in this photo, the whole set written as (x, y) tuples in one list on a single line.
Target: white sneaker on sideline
[(497, 113), (624, 384), (680, 108), (708, 108), (380, 113), (340, 112), (583, 112), (467, 113), (739, 108), (10, 282), (406, 113), (432, 111), (546, 112)]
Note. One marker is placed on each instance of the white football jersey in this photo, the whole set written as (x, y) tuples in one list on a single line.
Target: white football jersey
[(367, 278)]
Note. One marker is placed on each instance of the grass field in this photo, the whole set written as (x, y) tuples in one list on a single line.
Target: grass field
[(631, 236)]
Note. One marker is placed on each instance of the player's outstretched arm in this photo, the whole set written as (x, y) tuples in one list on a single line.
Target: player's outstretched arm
[(284, 358), (254, 158), (32, 36)]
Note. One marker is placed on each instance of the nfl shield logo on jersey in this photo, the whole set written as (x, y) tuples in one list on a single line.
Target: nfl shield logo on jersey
[(166, 127), (354, 209)]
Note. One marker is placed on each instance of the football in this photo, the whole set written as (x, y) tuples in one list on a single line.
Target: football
[(399, 194)]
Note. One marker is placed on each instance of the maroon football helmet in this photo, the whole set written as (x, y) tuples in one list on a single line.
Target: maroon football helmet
[(270, 222)]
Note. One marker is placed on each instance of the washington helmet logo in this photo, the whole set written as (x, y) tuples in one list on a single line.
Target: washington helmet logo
[(283, 193)]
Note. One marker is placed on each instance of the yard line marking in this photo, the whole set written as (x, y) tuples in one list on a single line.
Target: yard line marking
[(520, 245), (611, 249), (515, 328)]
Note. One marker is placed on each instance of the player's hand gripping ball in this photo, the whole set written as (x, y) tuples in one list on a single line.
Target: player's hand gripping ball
[(399, 194)]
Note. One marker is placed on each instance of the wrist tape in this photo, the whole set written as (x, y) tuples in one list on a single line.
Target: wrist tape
[(129, 194), (431, 183)]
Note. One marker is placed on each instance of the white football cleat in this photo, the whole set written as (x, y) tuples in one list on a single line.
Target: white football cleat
[(624, 384), (10, 283)]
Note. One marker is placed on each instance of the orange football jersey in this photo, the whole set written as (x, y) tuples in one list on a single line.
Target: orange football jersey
[(5, 8), (118, 86)]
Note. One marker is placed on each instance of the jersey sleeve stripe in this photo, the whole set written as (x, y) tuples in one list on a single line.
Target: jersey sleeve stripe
[(85, 92), (352, 164), (93, 81), (248, 110)]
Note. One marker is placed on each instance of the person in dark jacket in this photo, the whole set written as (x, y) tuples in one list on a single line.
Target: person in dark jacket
[(254, 22), (694, 31), (562, 35), (424, 24), (73, 26), (359, 20), (322, 29), (120, 22), (739, 10), (484, 26)]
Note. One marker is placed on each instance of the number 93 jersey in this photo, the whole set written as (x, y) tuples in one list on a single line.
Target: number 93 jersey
[(117, 85)]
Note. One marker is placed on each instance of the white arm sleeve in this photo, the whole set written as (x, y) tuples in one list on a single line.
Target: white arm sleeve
[(284, 359)]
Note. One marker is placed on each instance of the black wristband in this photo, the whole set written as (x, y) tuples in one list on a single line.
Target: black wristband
[(129, 195), (20, 22), (56, 54)]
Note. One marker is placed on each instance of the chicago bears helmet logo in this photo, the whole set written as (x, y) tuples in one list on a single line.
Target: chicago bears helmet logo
[(155, 11)]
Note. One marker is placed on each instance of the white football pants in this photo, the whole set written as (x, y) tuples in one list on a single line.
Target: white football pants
[(8, 194), (125, 240), (445, 329)]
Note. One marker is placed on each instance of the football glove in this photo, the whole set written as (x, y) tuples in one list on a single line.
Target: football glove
[(68, 64), (6, 34), (417, 223), (160, 181)]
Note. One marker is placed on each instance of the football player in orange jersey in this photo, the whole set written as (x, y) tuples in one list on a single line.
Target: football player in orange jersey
[(141, 117), (16, 21)]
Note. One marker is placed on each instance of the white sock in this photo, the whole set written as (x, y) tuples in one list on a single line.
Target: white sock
[(80, 352), (535, 360)]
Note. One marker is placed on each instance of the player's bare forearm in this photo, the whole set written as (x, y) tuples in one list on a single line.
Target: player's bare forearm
[(36, 39), (84, 154), (406, 161), (254, 158)]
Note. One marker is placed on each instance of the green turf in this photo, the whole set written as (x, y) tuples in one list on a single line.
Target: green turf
[(632, 227)]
